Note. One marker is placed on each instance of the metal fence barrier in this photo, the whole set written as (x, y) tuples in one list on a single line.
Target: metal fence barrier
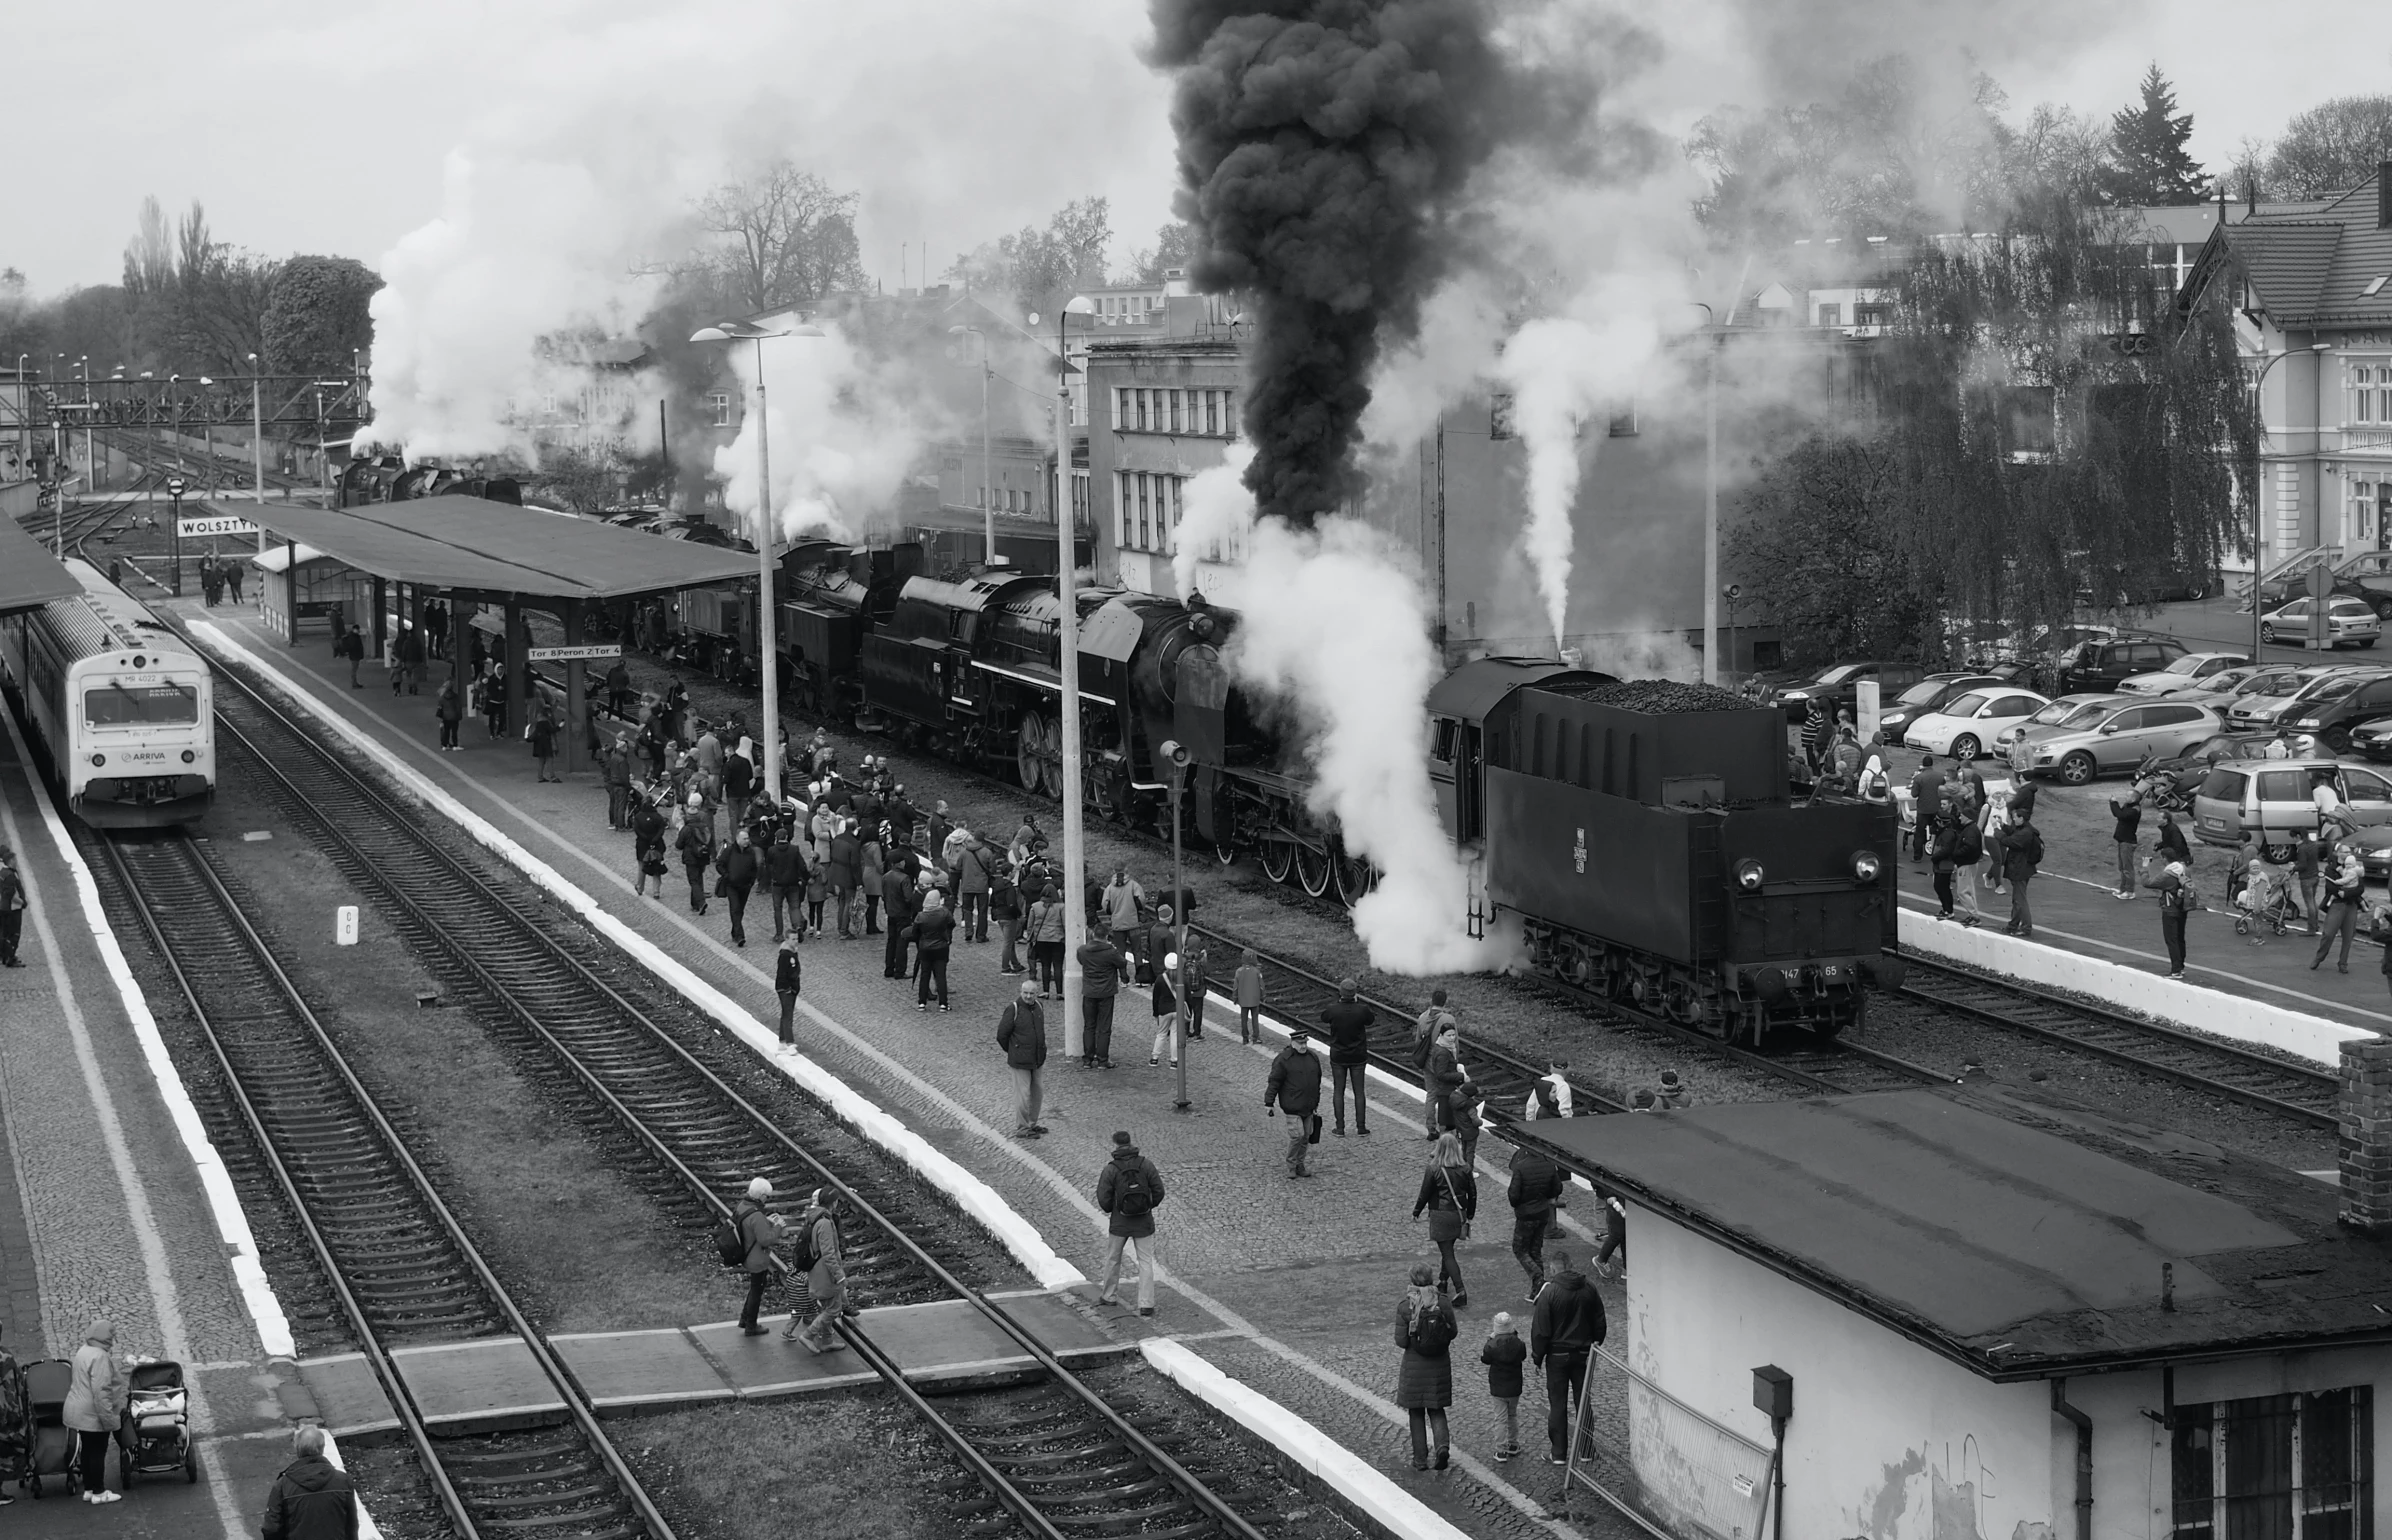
[(1675, 1472)]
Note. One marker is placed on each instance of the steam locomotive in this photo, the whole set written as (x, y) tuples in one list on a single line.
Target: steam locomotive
[(1640, 833), (390, 479)]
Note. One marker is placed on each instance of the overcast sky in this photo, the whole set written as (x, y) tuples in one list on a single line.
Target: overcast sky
[(328, 128)]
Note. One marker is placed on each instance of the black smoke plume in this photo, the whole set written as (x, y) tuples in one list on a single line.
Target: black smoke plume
[(1323, 148)]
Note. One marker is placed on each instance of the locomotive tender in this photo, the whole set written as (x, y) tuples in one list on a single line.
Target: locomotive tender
[(125, 713)]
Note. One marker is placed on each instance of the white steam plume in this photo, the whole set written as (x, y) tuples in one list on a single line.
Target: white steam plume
[(1216, 510), (1333, 624), (840, 439), (583, 173)]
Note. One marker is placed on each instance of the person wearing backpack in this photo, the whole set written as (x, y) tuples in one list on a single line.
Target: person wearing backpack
[(819, 1256), (1129, 1189), (755, 1230), (1425, 1329)]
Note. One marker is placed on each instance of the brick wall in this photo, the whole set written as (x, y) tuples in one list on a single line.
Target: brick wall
[(2366, 1134)]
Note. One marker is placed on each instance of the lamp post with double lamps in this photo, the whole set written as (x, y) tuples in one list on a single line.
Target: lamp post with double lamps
[(1067, 557), (768, 674), (2318, 350)]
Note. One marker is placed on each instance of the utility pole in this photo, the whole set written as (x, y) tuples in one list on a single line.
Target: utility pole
[(1075, 878), (1711, 513)]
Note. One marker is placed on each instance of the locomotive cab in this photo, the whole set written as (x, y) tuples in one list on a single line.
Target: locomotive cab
[(1458, 706)]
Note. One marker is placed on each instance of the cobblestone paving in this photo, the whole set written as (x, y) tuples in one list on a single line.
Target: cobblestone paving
[(1317, 1265), (87, 1257)]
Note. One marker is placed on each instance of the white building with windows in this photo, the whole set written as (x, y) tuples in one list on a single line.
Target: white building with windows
[(2001, 1319), (1163, 402)]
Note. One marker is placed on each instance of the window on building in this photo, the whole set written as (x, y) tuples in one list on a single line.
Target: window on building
[(1499, 415), (2363, 510), (1212, 412), (1121, 510), (1831, 315), (718, 404), (1229, 414), (1622, 424), (1145, 404), (1175, 409), (2296, 1467), (1121, 407), (1870, 315)]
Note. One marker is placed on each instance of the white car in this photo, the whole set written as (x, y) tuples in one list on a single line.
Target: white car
[(2347, 621), (2190, 672), (1968, 726)]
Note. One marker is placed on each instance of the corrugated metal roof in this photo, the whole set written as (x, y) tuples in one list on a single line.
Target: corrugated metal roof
[(30, 576), (472, 543), (2022, 1239)]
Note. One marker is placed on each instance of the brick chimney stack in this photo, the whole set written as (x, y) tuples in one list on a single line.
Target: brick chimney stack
[(2365, 1111), (2383, 195)]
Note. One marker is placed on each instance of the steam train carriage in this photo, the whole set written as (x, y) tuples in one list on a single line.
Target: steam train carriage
[(125, 713), (1643, 835)]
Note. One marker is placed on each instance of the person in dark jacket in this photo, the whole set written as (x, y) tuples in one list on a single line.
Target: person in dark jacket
[(933, 932), (648, 823), (738, 866), (788, 977), (618, 689), (1536, 1190), (312, 1499), (1425, 1329), (1295, 1088), (1444, 1075), (902, 902), (1349, 1022), (543, 734), (1503, 1354), (1128, 1190), (1449, 1192), (846, 863), (696, 845), (450, 710), (1568, 1326), (1100, 984), (350, 644), (762, 1230), (785, 873), (615, 769), (1021, 1032), (2022, 852), (12, 909)]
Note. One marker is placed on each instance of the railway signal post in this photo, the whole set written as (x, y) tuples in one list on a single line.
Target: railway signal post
[(174, 494)]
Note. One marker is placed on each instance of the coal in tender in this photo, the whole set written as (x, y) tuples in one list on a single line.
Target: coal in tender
[(1661, 697)]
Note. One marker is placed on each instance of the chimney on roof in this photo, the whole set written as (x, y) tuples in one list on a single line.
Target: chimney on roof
[(2364, 1110), (2383, 195)]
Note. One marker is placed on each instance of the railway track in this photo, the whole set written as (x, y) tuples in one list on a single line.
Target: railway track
[(401, 1266), (2292, 1091), (1057, 1460)]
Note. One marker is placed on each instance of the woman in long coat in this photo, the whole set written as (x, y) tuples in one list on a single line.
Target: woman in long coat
[(95, 1401), (1449, 1193), (1425, 1329)]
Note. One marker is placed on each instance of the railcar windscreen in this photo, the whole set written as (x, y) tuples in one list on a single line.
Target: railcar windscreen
[(114, 705)]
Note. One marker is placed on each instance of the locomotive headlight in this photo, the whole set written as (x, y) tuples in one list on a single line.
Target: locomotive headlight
[(188, 756), (1748, 875), (1865, 866)]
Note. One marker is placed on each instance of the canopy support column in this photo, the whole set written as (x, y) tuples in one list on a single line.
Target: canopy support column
[(518, 667), (577, 702), (381, 619)]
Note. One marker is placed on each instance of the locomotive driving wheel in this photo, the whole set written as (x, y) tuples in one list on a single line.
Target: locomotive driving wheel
[(1354, 875), (1313, 870), (1278, 858), (1029, 750), (1225, 852)]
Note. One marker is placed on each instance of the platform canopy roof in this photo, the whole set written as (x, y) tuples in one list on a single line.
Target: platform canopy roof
[(2017, 1237), (475, 544), (30, 576)]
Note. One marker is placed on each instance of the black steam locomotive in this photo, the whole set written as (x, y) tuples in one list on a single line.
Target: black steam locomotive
[(1641, 833), (390, 479)]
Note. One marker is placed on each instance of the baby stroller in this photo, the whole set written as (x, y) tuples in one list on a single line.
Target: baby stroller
[(157, 1426), (2268, 903), (46, 1386)]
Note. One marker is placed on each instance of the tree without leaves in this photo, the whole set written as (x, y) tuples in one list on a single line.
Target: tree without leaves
[(317, 315), (1175, 245), (2150, 459), (782, 237), (2331, 148), (2148, 164)]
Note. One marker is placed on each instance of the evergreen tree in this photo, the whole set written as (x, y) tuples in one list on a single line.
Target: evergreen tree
[(2148, 164)]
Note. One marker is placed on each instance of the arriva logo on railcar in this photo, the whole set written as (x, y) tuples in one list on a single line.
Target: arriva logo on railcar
[(1578, 853)]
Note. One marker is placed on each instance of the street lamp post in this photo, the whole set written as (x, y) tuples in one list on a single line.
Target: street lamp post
[(768, 673), (988, 499), (2258, 530), (1075, 885), (1175, 759)]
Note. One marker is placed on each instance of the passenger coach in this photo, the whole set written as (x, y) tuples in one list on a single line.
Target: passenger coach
[(124, 712)]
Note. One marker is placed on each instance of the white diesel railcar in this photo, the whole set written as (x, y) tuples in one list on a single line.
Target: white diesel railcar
[(124, 711)]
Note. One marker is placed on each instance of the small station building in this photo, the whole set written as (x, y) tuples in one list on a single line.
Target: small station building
[(379, 564), (1982, 1318)]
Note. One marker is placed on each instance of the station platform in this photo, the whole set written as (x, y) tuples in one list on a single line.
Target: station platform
[(1288, 1286), (103, 1212), (491, 1383)]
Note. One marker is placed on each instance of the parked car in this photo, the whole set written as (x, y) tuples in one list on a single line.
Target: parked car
[(2187, 673), (1838, 684), (1963, 728), (2337, 704), (2106, 663), (2165, 585), (2272, 799), (2061, 712), (2120, 736), (2373, 740), (2349, 622), (1929, 694), (2221, 687), (2257, 704)]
